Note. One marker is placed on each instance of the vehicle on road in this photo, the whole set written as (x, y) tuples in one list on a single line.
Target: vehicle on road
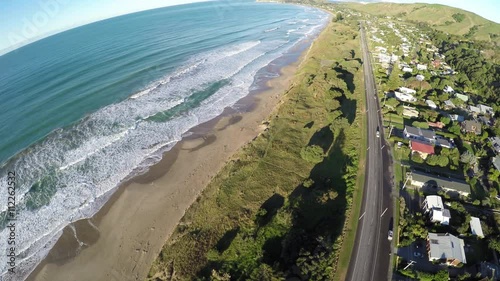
[(390, 235), (378, 132)]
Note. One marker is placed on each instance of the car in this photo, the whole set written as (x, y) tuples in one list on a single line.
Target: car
[(390, 235), (378, 132)]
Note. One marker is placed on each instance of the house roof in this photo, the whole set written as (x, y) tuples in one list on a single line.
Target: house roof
[(434, 201), (472, 126), (474, 109), (475, 227), (431, 103), (446, 246), (421, 147), (462, 97), (446, 213), (420, 132), (449, 103), (496, 162), (443, 142), (444, 182)]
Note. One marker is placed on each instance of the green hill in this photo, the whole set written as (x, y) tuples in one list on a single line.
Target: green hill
[(440, 17)]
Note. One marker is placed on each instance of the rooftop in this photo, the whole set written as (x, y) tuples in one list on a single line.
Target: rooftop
[(434, 201), (446, 246), (420, 132), (449, 183), (475, 227), (421, 147)]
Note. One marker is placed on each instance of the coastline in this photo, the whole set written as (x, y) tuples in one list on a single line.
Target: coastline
[(156, 201)]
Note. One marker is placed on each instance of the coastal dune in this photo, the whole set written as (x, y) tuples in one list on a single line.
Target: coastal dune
[(122, 240)]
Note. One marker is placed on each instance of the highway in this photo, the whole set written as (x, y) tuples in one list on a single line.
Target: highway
[(371, 255)]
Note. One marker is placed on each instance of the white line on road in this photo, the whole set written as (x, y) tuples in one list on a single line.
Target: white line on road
[(362, 216), (383, 212), (382, 146), (368, 148)]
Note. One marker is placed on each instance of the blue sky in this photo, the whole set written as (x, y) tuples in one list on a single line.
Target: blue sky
[(23, 21)]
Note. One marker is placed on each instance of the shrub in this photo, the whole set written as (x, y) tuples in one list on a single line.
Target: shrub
[(312, 153)]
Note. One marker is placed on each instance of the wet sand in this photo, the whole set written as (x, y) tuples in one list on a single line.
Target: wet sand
[(123, 239)]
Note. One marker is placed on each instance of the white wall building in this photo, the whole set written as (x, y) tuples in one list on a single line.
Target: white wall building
[(407, 91), (475, 227), (434, 208), (404, 97)]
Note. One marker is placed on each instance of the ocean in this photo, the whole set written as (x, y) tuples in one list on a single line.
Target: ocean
[(86, 109)]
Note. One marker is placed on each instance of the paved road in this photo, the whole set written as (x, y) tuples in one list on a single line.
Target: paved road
[(372, 250)]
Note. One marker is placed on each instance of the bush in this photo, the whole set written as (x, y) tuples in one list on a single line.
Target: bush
[(312, 153), (422, 125)]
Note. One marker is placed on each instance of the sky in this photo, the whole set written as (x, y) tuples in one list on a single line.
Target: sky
[(24, 21)]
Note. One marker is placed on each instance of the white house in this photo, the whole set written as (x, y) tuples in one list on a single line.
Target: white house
[(404, 97), (407, 91), (475, 227), (434, 208), (448, 90), (410, 112), (431, 104), (421, 67), (407, 69), (463, 97), (474, 110), (486, 109), (447, 248), (449, 104), (420, 77)]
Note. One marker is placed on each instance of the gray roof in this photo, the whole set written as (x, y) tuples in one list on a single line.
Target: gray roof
[(444, 182), (446, 213), (472, 126), (420, 132), (496, 162), (443, 142), (446, 246)]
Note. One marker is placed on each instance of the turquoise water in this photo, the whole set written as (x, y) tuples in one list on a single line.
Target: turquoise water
[(84, 109)]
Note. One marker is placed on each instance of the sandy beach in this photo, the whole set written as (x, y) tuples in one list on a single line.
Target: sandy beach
[(122, 240)]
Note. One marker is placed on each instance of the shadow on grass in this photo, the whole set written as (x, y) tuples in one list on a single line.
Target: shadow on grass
[(271, 207), (322, 138), (226, 240), (348, 108), (347, 76)]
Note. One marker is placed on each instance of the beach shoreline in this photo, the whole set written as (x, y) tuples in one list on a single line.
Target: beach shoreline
[(108, 246)]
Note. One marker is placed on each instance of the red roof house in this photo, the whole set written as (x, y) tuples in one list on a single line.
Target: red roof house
[(422, 148)]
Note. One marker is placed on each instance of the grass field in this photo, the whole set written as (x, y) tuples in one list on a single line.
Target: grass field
[(438, 16), (270, 213)]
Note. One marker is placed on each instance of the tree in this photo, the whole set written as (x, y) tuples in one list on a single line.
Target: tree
[(339, 17), (394, 81), (445, 120), (312, 153), (415, 157), (422, 125), (455, 129), (494, 243), (392, 102)]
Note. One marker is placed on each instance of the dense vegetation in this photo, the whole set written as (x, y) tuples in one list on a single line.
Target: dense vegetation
[(279, 208)]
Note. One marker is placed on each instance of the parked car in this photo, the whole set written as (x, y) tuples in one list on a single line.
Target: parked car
[(390, 235)]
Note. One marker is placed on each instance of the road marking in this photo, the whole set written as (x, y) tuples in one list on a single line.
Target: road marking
[(382, 146), (368, 148), (384, 212), (378, 110), (362, 216)]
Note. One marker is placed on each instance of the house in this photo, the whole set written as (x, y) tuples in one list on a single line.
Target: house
[(431, 104), (443, 142), (421, 67), (496, 162), (475, 227), (420, 179), (394, 57), (438, 124), (495, 144), (474, 110), (456, 117), (436, 63), (420, 77), (407, 69), (434, 208), (421, 148), (489, 270), (447, 248), (463, 97), (470, 126), (448, 104), (486, 110), (486, 121), (448, 89), (381, 49), (407, 91), (419, 134), (410, 112), (404, 97)]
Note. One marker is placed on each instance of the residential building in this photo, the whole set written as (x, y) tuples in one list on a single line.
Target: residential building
[(410, 112), (447, 248), (475, 227), (486, 120), (419, 134), (496, 162), (420, 77), (431, 104), (471, 126), (456, 117), (421, 179), (404, 97), (486, 109), (407, 91), (463, 97), (421, 148), (448, 89), (434, 208), (421, 67), (474, 110), (448, 104), (407, 69), (443, 142), (495, 144), (489, 270)]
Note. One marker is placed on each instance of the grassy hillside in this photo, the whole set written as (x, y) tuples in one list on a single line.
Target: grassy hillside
[(441, 17)]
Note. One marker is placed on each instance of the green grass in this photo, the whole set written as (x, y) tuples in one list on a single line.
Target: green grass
[(257, 206), (436, 15)]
